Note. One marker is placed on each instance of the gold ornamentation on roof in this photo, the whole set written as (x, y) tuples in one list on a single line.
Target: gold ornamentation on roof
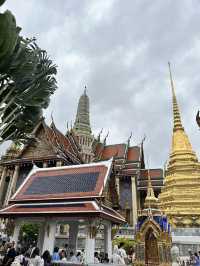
[(150, 201)]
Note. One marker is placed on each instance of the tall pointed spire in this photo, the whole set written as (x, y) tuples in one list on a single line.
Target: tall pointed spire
[(176, 112), (150, 201), (82, 127), (180, 141), (179, 198), (82, 122)]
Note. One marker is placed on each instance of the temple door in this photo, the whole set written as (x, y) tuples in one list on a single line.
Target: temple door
[(151, 249)]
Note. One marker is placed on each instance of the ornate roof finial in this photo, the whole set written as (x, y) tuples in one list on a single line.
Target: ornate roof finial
[(150, 201), (99, 135), (85, 90), (129, 139), (176, 112), (143, 139), (198, 119), (104, 141)]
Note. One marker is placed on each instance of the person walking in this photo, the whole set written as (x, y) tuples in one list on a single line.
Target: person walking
[(35, 259), (47, 258), (122, 252), (116, 258), (196, 259), (56, 255)]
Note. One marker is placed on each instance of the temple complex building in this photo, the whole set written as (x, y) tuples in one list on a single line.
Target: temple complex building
[(179, 198), (51, 148)]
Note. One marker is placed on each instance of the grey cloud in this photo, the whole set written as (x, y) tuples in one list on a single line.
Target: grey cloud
[(120, 49)]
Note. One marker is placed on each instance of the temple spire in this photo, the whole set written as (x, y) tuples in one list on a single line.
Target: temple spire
[(176, 112), (150, 201), (82, 128), (82, 122), (179, 197)]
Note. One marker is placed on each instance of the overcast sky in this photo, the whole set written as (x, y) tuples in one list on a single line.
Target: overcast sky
[(120, 50)]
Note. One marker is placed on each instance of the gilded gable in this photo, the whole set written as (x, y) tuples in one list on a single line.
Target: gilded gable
[(40, 147)]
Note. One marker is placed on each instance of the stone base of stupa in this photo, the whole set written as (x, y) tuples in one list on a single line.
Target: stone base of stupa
[(186, 239)]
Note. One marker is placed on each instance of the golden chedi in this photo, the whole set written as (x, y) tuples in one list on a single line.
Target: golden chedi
[(180, 196)]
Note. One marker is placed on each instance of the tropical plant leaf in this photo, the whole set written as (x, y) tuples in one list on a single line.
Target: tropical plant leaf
[(27, 80)]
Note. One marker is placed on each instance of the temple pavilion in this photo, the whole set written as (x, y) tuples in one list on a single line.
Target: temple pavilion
[(76, 195), (49, 147), (180, 196)]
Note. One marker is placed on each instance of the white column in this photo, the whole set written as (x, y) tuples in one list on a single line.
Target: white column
[(15, 236), (89, 247), (41, 236), (12, 185), (45, 164), (2, 183), (49, 236), (108, 239), (134, 200), (59, 163), (118, 186), (73, 236)]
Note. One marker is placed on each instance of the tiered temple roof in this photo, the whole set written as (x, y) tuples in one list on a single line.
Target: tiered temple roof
[(64, 191), (48, 143)]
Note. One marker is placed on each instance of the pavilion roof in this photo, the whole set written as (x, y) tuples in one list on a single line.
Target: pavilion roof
[(80, 209), (65, 182)]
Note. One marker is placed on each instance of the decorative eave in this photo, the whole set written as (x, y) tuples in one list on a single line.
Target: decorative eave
[(81, 209)]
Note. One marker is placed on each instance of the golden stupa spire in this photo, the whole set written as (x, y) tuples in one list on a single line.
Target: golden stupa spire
[(179, 198), (180, 142), (176, 112), (150, 201)]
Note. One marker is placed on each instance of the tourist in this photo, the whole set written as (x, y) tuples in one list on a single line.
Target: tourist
[(35, 259), (56, 255), (105, 258), (131, 255), (67, 250), (78, 256), (3, 249), (116, 258), (20, 258), (122, 252), (11, 254), (47, 258), (63, 255), (196, 259), (72, 257), (83, 256), (96, 257)]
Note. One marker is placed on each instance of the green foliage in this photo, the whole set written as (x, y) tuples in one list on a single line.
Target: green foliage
[(29, 233), (128, 243), (27, 80), (2, 1)]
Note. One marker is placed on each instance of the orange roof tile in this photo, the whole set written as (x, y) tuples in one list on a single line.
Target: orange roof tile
[(116, 151), (133, 153)]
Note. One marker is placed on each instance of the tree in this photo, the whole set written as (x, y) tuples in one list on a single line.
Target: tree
[(27, 80), (29, 234), (128, 243)]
